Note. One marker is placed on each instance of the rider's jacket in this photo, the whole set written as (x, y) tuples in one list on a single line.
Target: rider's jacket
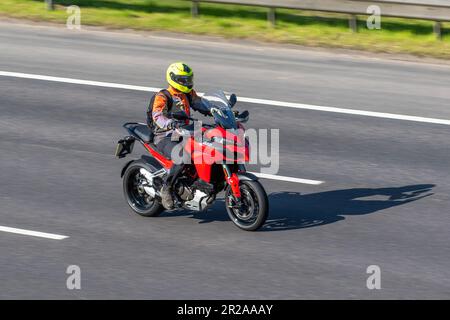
[(160, 109)]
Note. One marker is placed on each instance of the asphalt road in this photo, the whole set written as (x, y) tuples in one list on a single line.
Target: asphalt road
[(384, 201)]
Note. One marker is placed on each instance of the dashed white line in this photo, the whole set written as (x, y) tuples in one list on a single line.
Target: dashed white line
[(242, 99), (33, 233)]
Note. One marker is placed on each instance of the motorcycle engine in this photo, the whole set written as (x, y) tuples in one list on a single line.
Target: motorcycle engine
[(194, 198), (183, 190)]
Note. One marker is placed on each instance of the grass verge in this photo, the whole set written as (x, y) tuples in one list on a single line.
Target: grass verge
[(295, 27)]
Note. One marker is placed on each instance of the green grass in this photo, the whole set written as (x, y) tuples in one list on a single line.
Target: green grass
[(230, 21)]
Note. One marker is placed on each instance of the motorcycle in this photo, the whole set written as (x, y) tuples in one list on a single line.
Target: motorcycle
[(216, 163)]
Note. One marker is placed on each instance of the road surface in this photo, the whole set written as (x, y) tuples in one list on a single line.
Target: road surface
[(384, 199)]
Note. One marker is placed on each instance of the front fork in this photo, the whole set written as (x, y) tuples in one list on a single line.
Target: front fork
[(233, 180)]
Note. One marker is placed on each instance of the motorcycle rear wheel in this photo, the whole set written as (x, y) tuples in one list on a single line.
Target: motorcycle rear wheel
[(138, 200), (253, 212)]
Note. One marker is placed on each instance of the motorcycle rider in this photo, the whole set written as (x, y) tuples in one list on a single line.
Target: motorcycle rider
[(179, 96)]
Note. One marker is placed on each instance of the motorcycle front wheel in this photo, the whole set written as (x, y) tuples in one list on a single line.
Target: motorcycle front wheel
[(253, 211)]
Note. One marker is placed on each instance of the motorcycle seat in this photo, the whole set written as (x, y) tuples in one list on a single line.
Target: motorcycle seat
[(143, 132)]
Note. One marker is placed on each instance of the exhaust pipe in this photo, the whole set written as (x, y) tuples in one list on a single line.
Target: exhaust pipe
[(149, 189)]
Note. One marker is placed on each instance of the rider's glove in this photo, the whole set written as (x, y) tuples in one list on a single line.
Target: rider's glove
[(179, 104), (173, 125)]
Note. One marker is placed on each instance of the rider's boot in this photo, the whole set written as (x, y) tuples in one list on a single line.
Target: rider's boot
[(166, 191), (166, 197)]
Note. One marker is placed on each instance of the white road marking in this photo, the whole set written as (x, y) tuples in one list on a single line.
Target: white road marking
[(288, 179), (136, 88), (346, 111), (241, 99), (77, 81), (33, 233)]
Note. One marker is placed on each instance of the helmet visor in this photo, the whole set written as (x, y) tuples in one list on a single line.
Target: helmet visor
[(187, 81)]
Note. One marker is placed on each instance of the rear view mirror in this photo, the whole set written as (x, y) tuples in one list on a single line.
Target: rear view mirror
[(242, 117), (233, 100)]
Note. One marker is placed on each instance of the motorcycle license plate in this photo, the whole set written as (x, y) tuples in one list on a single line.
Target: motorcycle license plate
[(124, 147), (119, 149)]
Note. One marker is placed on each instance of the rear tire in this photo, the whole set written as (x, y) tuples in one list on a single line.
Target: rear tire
[(139, 201), (255, 209)]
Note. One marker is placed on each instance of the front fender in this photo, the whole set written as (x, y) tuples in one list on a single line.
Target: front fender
[(247, 176)]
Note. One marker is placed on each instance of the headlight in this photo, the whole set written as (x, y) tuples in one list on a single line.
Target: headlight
[(221, 140)]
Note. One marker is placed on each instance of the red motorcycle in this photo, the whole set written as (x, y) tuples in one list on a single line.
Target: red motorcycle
[(216, 163)]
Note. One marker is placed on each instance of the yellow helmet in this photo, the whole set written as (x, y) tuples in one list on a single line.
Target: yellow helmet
[(181, 77)]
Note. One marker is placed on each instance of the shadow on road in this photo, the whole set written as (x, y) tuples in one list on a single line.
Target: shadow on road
[(291, 210)]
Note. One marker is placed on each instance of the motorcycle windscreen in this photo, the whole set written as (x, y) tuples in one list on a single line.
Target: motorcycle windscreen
[(220, 108)]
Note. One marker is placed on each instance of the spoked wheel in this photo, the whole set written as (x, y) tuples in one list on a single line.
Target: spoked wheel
[(253, 211), (133, 187)]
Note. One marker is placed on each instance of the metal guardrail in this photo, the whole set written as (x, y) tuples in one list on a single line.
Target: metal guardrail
[(49, 4), (434, 10)]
